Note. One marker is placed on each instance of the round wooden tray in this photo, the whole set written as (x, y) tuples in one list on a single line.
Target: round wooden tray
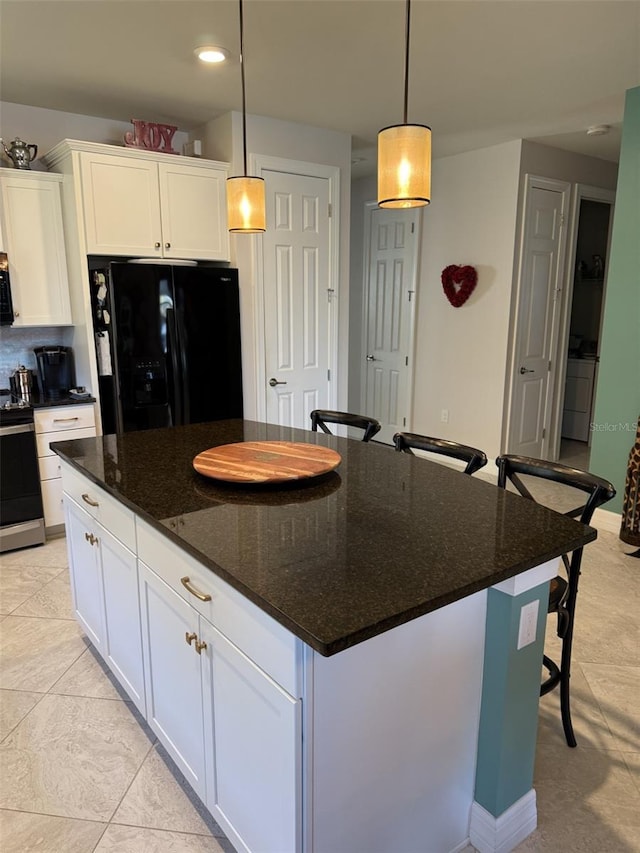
[(266, 461)]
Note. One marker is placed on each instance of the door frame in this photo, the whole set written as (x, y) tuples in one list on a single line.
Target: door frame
[(589, 193), (564, 187), (369, 208), (259, 163)]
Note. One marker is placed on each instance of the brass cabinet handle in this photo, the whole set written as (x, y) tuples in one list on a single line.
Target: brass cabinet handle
[(88, 500), (91, 539), (157, 245), (167, 245), (190, 637), (64, 420), (203, 596), (200, 645)]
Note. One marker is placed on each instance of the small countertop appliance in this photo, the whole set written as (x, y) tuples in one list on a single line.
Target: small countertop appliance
[(55, 371)]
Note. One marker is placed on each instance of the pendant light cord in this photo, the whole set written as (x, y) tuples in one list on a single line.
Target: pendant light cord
[(244, 104), (406, 61)]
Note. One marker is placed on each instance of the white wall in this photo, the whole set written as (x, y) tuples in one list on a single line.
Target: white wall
[(461, 352), (362, 191), (45, 128), (222, 138), (547, 162)]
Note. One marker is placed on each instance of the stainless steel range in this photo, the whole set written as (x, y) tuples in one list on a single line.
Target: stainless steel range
[(21, 514)]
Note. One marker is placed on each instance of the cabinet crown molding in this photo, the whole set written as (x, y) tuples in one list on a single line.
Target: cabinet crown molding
[(67, 146), (6, 174)]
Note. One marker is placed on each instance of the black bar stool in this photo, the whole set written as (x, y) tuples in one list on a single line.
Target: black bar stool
[(475, 459), (562, 592), (322, 417)]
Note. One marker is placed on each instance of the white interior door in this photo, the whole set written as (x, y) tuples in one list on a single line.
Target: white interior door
[(390, 303), (297, 297), (537, 318)]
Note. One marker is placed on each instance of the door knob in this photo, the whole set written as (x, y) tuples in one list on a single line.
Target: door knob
[(371, 358), (190, 637), (526, 370), (273, 382)]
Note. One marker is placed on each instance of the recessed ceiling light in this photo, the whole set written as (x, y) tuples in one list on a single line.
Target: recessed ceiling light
[(211, 53), (598, 129)]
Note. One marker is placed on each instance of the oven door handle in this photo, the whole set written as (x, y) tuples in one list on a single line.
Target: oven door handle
[(16, 428)]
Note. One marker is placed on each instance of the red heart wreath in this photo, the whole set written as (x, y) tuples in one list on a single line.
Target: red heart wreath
[(458, 283)]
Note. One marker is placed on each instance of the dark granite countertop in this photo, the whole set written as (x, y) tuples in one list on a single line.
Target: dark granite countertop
[(38, 402), (384, 539), (49, 403)]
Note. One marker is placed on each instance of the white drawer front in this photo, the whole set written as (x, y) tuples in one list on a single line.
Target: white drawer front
[(64, 418), (111, 514), (267, 643), (581, 368), (44, 439), (49, 467), (52, 502)]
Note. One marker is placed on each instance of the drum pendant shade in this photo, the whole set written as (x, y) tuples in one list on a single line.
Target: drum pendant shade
[(404, 166), (246, 208), (246, 205), (404, 153)]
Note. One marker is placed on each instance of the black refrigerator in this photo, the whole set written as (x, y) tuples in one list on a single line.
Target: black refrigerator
[(167, 343)]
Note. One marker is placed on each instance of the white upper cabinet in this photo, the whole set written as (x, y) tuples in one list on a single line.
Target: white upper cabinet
[(121, 205), (153, 205), (194, 212), (34, 242)]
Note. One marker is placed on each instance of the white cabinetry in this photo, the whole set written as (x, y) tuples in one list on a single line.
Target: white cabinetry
[(34, 242), (141, 203), (257, 745), (578, 398), (232, 729), (58, 423), (104, 580), (173, 675)]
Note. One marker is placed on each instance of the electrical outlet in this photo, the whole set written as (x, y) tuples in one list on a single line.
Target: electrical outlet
[(444, 416), (528, 624)]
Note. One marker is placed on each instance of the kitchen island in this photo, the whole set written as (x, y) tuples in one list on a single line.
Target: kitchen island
[(313, 655)]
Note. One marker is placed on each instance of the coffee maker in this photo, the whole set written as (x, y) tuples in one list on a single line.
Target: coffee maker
[(55, 371)]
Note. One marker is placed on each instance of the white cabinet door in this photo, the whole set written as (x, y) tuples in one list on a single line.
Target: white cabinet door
[(32, 219), (123, 638), (173, 679), (121, 205), (256, 745), (86, 576), (193, 209), (52, 500)]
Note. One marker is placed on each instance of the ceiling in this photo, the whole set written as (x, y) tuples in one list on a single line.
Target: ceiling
[(482, 72)]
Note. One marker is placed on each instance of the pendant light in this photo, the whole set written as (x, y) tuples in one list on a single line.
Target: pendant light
[(404, 154), (246, 210)]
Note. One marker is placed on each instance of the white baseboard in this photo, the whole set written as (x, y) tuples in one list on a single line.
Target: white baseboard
[(490, 834), (604, 519), (460, 847)]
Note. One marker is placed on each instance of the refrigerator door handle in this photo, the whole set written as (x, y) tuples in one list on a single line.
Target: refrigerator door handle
[(184, 365), (175, 372)]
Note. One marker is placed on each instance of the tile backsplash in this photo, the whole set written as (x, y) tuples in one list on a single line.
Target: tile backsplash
[(16, 347)]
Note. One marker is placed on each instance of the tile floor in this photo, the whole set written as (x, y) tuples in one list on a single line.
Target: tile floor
[(575, 453), (81, 772)]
